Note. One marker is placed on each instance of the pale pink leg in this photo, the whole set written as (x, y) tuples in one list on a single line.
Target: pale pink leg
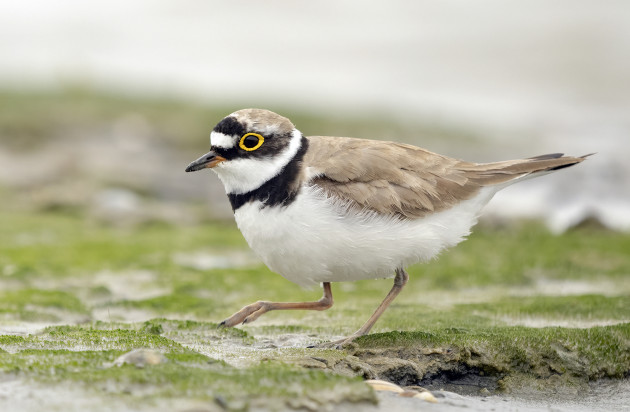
[(251, 312), (399, 282)]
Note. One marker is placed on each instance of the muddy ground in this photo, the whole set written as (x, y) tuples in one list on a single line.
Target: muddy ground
[(78, 295), (98, 261)]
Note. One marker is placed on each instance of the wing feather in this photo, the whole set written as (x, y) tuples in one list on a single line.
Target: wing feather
[(405, 180)]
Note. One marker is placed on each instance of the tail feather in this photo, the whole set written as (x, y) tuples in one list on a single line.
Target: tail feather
[(546, 156), (487, 174)]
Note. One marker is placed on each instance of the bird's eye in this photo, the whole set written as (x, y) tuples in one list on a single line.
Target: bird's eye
[(251, 141)]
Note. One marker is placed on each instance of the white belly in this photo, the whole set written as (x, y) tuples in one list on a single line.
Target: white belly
[(315, 240)]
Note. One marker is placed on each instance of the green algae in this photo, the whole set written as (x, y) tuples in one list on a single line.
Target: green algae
[(36, 305), (519, 254), (578, 310), (192, 374), (501, 358), (172, 326), (180, 303), (56, 245), (580, 307), (16, 300), (458, 318), (461, 318), (92, 350)]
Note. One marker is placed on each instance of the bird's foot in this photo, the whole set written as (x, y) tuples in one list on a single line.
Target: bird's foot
[(247, 315), (344, 343)]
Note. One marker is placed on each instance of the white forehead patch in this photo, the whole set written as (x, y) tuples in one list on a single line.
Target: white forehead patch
[(221, 140)]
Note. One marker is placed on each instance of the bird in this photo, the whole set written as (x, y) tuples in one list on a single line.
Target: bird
[(323, 209)]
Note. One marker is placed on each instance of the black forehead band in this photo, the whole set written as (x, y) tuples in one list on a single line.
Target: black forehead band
[(230, 127)]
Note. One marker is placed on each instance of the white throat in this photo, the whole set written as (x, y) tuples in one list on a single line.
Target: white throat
[(247, 174)]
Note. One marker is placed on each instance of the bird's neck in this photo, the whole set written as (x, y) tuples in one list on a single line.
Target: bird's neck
[(281, 189)]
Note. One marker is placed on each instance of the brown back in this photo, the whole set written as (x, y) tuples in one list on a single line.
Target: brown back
[(405, 180)]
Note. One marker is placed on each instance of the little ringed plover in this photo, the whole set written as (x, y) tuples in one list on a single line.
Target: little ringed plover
[(319, 209)]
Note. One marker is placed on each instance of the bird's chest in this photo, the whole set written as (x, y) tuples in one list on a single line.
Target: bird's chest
[(261, 224), (292, 239), (277, 230)]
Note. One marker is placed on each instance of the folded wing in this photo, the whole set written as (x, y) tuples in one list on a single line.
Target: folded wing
[(405, 180)]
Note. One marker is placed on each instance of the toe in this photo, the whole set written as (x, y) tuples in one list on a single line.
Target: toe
[(244, 315), (233, 320), (227, 323), (337, 344), (347, 343), (255, 315)]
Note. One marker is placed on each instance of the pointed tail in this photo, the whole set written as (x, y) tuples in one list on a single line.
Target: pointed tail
[(487, 174)]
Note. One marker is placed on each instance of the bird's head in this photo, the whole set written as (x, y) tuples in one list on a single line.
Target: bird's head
[(249, 147)]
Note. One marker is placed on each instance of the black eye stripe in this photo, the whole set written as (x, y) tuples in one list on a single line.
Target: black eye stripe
[(226, 153)]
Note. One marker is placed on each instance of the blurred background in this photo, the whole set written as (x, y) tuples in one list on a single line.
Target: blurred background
[(103, 104)]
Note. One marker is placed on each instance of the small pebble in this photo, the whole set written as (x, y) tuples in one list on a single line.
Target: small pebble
[(426, 396), (380, 385)]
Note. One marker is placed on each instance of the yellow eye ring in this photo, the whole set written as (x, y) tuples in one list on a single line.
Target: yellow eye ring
[(241, 144)]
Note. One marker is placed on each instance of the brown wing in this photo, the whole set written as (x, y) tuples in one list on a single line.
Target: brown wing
[(400, 179)]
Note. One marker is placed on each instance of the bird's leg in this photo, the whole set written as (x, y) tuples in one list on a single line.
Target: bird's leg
[(399, 282), (251, 312)]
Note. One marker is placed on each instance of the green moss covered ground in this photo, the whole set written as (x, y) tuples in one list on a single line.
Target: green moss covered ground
[(513, 309), (502, 306)]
